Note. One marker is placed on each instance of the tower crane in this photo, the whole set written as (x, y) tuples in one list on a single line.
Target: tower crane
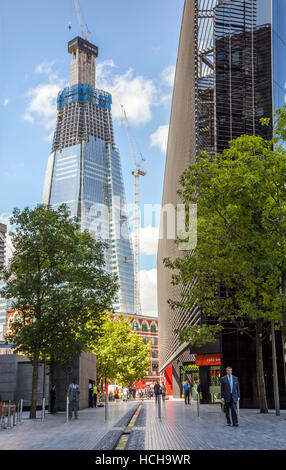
[(83, 34), (136, 173)]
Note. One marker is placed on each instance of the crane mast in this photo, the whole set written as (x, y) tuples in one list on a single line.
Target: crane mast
[(83, 34), (136, 173)]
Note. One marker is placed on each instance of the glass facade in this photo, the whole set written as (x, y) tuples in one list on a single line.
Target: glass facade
[(241, 74), (84, 172), (279, 52)]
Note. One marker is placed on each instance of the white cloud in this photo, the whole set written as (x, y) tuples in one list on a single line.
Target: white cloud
[(148, 290), (6, 101), (168, 75), (160, 138), (136, 93), (45, 67), (42, 99), (148, 240)]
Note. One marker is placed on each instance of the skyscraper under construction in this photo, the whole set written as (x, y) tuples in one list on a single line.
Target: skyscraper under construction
[(84, 168)]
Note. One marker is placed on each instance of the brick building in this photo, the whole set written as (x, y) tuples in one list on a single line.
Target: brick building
[(147, 329)]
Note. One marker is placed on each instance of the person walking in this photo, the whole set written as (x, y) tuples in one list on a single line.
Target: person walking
[(95, 393), (230, 395), (90, 396), (186, 388), (157, 391), (164, 390), (73, 394), (53, 398)]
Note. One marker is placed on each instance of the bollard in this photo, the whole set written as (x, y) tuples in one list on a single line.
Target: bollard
[(198, 404), (67, 410), (43, 409), (159, 406), (21, 409), (106, 408), (9, 415), (14, 417), (18, 412)]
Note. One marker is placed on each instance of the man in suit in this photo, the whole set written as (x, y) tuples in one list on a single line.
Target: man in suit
[(230, 395), (73, 394)]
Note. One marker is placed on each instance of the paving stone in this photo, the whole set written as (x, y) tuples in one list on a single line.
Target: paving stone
[(55, 434)]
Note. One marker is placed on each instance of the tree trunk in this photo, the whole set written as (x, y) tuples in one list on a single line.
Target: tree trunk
[(260, 368), (283, 323), (33, 409)]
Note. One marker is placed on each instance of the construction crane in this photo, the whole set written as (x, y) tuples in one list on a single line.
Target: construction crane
[(83, 34), (136, 173)]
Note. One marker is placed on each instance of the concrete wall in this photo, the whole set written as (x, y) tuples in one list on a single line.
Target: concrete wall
[(16, 379), (181, 153), (82, 369)]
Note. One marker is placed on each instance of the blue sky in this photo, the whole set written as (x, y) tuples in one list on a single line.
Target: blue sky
[(138, 43)]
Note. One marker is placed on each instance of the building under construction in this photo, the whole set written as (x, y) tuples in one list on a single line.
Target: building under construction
[(84, 168)]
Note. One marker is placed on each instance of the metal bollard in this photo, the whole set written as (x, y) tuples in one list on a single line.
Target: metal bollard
[(14, 417), (67, 410), (198, 404), (106, 408), (9, 415), (43, 409), (21, 409), (18, 412), (159, 406)]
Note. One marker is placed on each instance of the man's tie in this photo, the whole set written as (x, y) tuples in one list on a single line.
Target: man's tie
[(229, 379)]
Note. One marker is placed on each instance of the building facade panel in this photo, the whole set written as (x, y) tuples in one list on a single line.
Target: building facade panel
[(231, 60)]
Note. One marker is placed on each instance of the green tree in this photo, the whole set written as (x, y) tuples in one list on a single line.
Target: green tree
[(241, 198), (58, 285), (121, 355)]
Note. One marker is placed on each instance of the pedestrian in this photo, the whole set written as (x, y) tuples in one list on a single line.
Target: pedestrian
[(134, 393), (95, 393), (157, 391), (90, 396), (186, 388), (73, 394), (164, 390), (230, 395), (53, 398)]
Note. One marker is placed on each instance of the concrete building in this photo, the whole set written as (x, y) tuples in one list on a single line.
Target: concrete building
[(230, 72), (84, 168)]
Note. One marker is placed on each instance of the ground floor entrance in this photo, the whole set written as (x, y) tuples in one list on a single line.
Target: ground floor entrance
[(206, 370)]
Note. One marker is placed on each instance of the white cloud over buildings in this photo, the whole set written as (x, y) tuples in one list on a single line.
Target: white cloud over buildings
[(160, 138)]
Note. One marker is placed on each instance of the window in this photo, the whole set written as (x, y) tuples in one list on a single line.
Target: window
[(135, 326), (154, 354), (145, 340), (144, 327), (153, 328), (154, 341)]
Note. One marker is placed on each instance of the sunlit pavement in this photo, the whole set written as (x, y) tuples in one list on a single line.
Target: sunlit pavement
[(181, 429), (85, 433), (178, 429)]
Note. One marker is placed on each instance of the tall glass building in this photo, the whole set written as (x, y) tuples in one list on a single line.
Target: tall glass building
[(84, 168), (230, 72)]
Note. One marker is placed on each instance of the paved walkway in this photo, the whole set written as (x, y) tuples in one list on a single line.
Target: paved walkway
[(181, 429), (89, 432)]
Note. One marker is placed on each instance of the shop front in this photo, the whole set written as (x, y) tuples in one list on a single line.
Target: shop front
[(205, 368)]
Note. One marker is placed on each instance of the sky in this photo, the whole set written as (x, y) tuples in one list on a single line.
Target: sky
[(138, 45)]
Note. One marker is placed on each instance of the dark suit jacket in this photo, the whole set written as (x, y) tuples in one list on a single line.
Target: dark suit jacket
[(225, 389)]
